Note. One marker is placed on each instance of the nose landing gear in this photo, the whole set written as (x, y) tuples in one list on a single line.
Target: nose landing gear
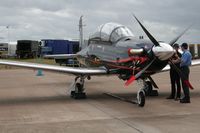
[(146, 90)]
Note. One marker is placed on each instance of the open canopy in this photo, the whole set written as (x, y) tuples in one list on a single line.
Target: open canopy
[(111, 32)]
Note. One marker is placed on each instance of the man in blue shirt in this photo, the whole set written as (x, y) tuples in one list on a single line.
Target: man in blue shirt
[(186, 60)]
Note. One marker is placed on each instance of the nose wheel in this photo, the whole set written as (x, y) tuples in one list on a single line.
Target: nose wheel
[(141, 98)]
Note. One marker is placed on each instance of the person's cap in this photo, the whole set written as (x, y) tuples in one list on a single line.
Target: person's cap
[(176, 45)]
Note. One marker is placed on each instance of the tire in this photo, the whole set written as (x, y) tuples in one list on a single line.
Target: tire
[(79, 87), (141, 99), (79, 94), (72, 94)]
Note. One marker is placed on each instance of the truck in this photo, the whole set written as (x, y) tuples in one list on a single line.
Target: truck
[(51, 47), (27, 48), (3, 50)]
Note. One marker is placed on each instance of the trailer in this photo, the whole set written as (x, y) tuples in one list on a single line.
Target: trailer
[(51, 47), (27, 49), (59, 46)]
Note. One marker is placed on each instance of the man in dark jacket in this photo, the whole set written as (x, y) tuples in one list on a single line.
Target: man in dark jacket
[(174, 76)]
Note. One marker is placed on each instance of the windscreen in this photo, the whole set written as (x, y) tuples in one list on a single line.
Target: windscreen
[(111, 32)]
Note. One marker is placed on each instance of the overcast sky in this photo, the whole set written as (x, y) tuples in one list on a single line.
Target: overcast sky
[(58, 19)]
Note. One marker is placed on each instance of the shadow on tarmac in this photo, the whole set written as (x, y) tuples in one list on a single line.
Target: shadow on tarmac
[(67, 99)]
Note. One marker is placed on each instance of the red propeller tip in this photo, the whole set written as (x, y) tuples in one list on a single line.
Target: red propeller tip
[(128, 82), (188, 84)]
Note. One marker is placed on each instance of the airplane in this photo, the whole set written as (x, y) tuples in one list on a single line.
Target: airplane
[(114, 50)]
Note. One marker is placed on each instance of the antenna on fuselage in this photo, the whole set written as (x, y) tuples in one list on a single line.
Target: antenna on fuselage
[(81, 41)]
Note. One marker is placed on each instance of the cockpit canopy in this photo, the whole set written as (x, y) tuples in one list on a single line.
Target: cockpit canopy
[(111, 32)]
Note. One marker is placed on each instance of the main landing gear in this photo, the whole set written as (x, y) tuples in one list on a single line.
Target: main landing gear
[(77, 89)]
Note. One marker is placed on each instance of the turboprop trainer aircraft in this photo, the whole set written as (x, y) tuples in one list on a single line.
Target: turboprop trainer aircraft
[(113, 50)]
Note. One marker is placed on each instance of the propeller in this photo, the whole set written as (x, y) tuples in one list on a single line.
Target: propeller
[(155, 42)]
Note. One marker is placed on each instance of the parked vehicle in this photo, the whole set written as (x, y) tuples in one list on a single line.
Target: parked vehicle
[(52, 47), (59, 47), (27, 49)]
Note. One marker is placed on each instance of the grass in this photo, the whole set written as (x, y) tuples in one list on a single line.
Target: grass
[(36, 60), (39, 61)]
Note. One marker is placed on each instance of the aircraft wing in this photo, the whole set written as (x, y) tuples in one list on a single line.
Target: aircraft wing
[(69, 70), (194, 63), (61, 56)]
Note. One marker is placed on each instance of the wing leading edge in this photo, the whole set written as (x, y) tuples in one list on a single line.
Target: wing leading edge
[(69, 70)]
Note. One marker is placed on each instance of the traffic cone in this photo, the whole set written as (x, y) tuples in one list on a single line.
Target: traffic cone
[(39, 72)]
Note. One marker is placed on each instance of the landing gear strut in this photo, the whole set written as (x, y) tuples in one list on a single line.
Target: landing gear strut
[(140, 100), (77, 89), (149, 89)]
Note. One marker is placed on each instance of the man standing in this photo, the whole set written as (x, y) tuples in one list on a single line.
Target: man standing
[(174, 76), (185, 63)]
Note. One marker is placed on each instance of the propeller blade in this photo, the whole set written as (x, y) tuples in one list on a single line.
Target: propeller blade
[(133, 78), (186, 80), (155, 42), (179, 36), (189, 84)]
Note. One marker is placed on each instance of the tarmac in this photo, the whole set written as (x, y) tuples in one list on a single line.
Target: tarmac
[(41, 104)]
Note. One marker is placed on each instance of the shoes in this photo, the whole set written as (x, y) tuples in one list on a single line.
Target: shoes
[(177, 98), (185, 100), (170, 97)]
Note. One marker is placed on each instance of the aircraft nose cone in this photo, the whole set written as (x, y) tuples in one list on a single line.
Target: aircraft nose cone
[(164, 51)]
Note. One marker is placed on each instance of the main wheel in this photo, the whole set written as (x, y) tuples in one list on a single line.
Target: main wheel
[(141, 99), (72, 94), (78, 89), (79, 94)]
